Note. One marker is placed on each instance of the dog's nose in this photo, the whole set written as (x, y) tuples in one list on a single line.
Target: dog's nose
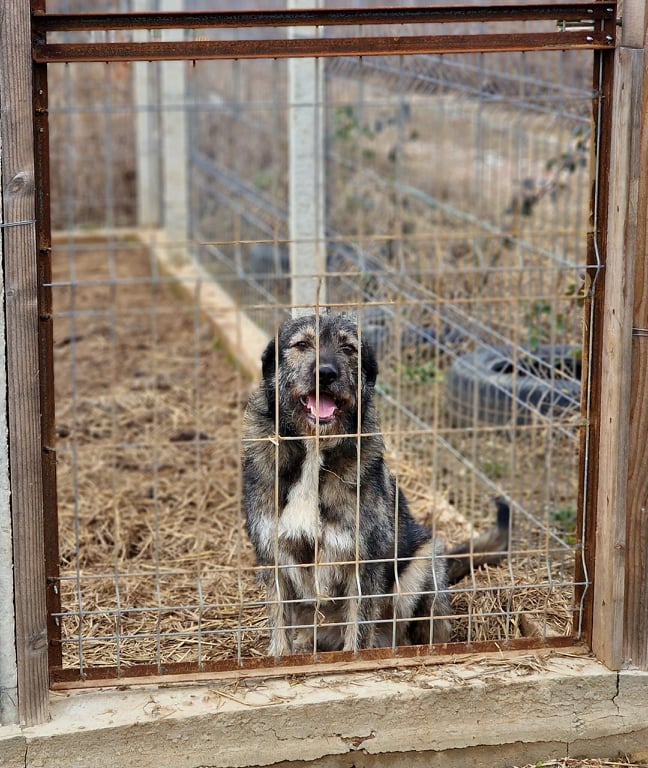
[(328, 373)]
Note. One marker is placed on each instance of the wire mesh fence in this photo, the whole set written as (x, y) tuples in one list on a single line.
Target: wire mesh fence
[(452, 226)]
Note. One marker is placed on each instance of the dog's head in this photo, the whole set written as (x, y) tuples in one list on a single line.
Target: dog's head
[(320, 373)]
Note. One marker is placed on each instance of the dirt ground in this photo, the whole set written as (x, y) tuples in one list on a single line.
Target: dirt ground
[(568, 763)]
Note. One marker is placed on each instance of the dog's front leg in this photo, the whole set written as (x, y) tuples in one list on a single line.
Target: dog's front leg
[(280, 644), (361, 612), (360, 631)]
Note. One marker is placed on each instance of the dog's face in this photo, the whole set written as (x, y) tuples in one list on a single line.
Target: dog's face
[(320, 373)]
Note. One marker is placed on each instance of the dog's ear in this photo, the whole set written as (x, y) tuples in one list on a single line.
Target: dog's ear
[(369, 364), (268, 361)]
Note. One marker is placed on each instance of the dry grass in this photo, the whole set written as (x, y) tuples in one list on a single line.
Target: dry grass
[(148, 413)]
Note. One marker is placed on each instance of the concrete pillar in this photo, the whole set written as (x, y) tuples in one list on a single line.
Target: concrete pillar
[(162, 148), (306, 176), (174, 150), (147, 119)]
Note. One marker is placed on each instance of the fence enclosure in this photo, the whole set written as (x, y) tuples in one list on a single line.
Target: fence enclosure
[(443, 174)]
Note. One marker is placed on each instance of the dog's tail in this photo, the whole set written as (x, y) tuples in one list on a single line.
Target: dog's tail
[(489, 548)]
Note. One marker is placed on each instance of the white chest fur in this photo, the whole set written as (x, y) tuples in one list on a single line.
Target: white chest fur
[(300, 517)]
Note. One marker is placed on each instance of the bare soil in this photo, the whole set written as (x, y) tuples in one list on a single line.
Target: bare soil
[(569, 763)]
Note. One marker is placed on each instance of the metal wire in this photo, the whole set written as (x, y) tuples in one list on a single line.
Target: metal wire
[(27, 222)]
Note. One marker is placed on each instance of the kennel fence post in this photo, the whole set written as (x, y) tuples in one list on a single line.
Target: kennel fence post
[(23, 384), (306, 175), (146, 127), (173, 127), (8, 671), (614, 450), (635, 36)]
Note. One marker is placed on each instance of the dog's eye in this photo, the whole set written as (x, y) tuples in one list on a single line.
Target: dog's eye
[(348, 349), (302, 345)]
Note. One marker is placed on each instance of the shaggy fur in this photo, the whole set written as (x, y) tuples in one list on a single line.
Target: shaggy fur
[(345, 565)]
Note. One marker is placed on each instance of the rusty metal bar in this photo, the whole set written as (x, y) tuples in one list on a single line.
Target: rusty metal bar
[(590, 38), (46, 346), (265, 666), (325, 47), (46, 350), (60, 22)]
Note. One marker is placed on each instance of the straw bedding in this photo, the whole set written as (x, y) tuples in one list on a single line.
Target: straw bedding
[(155, 566)]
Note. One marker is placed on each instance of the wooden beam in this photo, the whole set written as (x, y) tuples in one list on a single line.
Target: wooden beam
[(609, 575), (23, 388), (8, 669), (636, 582)]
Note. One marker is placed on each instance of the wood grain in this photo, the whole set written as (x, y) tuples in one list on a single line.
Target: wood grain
[(636, 583), (21, 307), (634, 23), (609, 575)]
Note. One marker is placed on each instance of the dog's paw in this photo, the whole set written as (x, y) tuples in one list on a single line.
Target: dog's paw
[(279, 645)]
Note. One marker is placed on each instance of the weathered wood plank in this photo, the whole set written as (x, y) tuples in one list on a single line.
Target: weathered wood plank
[(8, 671), (635, 16), (609, 576), (21, 308), (636, 586), (594, 291)]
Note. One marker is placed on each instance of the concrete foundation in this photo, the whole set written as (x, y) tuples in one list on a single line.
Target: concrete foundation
[(486, 712)]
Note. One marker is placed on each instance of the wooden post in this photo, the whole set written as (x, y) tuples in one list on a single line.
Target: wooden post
[(636, 577), (615, 448), (23, 386), (8, 670)]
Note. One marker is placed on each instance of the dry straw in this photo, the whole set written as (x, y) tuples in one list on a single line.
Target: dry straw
[(155, 564)]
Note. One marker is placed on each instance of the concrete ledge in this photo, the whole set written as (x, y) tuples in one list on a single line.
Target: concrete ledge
[(489, 711), (243, 340)]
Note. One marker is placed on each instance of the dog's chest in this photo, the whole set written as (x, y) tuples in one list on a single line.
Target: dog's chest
[(305, 520), (300, 517)]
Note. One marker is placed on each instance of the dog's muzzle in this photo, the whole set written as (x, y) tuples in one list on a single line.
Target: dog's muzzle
[(324, 408)]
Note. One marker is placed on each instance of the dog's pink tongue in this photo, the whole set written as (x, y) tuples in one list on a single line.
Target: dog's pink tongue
[(326, 406)]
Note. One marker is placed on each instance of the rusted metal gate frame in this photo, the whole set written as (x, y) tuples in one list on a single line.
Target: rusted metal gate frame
[(589, 26)]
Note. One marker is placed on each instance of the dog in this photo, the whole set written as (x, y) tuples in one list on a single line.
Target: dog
[(344, 563)]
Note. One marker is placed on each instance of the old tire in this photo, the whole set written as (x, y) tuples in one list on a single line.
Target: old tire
[(494, 386)]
